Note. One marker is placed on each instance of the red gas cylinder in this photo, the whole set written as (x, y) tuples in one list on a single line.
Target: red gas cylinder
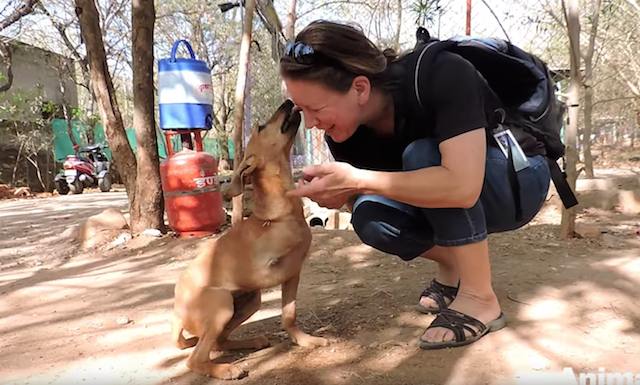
[(192, 196)]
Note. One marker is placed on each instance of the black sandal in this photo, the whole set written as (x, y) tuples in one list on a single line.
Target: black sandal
[(439, 293), (459, 322)]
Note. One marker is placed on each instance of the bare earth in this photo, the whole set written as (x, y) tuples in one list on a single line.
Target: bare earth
[(102, 317)]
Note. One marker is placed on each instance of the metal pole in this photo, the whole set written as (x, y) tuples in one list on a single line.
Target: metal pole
[(169, 143), (468, 29)]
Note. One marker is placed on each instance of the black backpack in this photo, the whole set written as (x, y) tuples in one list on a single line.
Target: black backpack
[(523, 84)]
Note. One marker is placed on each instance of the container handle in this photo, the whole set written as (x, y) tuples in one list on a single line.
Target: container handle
[(175, 47)]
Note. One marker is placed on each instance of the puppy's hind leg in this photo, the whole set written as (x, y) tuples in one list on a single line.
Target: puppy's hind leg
[(214, 311), (176, 330), (245, 306)]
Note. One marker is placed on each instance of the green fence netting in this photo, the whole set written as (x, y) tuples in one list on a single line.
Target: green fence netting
[(63, 146)]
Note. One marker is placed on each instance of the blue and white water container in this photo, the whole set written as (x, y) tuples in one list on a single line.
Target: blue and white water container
[(185, 93)]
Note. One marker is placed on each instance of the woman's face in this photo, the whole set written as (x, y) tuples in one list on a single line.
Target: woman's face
[(336, 113)]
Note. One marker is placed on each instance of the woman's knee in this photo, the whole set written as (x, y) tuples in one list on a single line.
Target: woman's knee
[(367, 224), (420, 154), (385, 227)]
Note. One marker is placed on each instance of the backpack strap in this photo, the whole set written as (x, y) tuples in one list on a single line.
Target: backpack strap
[(515, 186), (559, 179), (428, 49), (428, 53)]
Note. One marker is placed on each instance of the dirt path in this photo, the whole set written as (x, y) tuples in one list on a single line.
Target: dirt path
[(102, 317)]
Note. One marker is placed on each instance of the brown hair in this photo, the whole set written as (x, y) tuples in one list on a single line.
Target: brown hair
[(343, 52)]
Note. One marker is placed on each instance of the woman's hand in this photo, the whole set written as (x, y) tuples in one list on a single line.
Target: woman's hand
[(330, 185)]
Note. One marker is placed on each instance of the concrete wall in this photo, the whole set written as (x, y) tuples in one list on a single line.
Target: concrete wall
[(34, 66)]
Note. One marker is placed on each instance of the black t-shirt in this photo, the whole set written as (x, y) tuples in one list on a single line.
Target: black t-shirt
[(455, 97)]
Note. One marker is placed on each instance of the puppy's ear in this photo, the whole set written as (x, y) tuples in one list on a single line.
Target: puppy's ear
[(236, 185)]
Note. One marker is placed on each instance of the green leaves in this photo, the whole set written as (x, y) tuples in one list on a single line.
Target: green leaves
[(427, 10)]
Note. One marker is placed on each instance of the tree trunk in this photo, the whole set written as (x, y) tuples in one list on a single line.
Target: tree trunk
[(290, 30), (102, 86), (243, 67), (571, 13), (588, 88), (269, 17), (62, 69), (7, 63), (634, 129), (290, 34), (220, 119), (223, 137), (37, 167), (50, 170), (587, 130), (15, 166), (148, 209), (67, 119)]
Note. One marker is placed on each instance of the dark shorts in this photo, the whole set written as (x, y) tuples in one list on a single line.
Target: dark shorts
[(408, 231)]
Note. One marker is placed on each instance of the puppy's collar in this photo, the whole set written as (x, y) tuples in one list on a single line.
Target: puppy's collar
[(266, 222)]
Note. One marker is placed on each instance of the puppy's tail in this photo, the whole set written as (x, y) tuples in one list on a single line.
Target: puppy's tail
[(178, 337)]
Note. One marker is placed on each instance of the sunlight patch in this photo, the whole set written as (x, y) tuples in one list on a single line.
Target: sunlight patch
[(544, 309)]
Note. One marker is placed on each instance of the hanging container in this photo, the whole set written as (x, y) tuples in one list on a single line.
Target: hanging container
[(185, 94)]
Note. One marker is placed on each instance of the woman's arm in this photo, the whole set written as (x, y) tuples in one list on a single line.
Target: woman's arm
[(457, 182)]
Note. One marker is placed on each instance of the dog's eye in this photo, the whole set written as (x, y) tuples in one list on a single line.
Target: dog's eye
[(261, 127)]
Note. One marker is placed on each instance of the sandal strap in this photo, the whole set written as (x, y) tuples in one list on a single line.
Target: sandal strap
[(439, 292), (458, 322)]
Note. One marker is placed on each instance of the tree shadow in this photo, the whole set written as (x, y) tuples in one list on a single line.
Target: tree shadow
[(363, 301)]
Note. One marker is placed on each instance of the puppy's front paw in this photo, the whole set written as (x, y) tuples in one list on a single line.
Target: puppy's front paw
[(308, 341), (228, 372)]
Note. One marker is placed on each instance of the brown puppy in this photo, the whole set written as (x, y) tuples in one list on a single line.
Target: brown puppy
[(221, 287)]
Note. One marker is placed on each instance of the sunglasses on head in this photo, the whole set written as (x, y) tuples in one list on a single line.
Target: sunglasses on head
[(300, 52)]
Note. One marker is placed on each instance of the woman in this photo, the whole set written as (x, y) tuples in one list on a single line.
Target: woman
[(430, 183)]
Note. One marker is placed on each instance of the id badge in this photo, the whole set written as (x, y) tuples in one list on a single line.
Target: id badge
[(505, 139)]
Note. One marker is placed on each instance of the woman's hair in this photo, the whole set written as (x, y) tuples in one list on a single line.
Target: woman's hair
[(333, 54)]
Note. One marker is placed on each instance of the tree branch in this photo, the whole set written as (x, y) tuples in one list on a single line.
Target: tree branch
[(497, 19), (328, 3), (62, 30), (555, 17), (23, 10)]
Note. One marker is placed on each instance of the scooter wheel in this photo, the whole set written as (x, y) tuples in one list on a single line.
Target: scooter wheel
[(62, 187), (105, 183), (76, 187)]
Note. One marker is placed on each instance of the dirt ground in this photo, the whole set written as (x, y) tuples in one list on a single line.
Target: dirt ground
[(102, 317)]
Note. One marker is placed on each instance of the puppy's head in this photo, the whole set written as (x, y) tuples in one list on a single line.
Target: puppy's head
[(269, 142)]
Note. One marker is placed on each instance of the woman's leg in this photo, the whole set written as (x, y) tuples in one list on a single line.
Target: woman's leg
[(461, 234), (447, 269), (455, 238), (475, 294), (447, 272), (420, 154), (461, 249), (401, 229)]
